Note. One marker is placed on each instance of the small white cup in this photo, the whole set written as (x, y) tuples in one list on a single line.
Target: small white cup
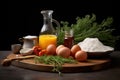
[(16, 48)]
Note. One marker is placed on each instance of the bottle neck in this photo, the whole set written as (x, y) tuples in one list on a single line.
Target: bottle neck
[(47, 27), (47, 21)]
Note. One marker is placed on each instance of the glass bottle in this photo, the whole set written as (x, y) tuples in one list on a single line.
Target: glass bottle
[(47, 34), (69, 38)]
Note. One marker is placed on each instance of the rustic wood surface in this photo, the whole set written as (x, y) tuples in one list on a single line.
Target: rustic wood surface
[(17, 73), (89, 65)]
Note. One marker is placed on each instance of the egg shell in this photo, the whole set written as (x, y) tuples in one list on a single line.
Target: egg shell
[(58, 47), (51, 49), (64, 52), (74, 49), (81, 55)]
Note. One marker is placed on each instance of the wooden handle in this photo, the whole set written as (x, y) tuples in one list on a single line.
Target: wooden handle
[(7, 62)]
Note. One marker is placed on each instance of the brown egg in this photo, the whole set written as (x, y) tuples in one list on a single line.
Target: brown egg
[(74, 49), (60, 46), (51, 49), (64, 52), (81, 55)]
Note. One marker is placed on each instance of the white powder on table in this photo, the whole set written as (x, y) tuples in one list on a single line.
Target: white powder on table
[(94, 45)]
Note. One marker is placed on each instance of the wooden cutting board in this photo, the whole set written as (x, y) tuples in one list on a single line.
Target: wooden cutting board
[(89, 65)]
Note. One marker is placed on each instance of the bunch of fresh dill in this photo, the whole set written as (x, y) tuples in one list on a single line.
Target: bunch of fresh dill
[(88, 27), (56, 61)]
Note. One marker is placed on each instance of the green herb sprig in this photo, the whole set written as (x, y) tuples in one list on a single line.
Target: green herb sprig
[(88, 27), (56, 61)]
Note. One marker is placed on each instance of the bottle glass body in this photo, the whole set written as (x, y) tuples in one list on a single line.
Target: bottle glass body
[(47, 34), (69, 39)]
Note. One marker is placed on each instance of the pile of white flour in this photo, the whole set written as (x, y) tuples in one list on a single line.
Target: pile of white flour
[(30, 37), (94, 45)]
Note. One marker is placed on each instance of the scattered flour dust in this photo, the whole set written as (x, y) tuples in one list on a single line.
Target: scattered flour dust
[(94, 45)]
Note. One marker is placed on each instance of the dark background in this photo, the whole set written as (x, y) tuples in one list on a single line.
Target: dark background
[(24, 17)]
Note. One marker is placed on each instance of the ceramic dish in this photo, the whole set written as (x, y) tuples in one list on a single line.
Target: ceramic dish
[(98, 54)]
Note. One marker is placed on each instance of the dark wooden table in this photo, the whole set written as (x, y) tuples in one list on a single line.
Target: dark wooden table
[(16, 73)]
